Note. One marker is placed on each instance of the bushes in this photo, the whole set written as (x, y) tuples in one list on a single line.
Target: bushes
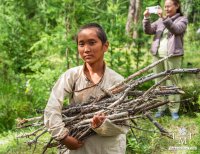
[(12, 104), (191, 86)]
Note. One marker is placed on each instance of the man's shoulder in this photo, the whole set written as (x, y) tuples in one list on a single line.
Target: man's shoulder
[(73, 72), (112, 74)]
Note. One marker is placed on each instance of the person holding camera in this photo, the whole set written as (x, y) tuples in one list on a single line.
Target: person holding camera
[(168, 33)]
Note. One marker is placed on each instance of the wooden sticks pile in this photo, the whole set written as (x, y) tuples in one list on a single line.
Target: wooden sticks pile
[(120, 103)]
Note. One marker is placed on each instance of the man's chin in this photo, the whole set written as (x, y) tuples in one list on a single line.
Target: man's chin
[(89, 61)]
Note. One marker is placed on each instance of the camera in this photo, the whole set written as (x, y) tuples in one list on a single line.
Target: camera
[(153, 9)]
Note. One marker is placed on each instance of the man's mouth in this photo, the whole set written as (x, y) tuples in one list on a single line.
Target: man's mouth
[(88, 56)]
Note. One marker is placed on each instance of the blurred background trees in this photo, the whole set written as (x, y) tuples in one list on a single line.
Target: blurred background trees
[(37, 44)]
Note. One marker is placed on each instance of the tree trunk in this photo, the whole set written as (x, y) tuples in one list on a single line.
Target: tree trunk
[(67, 27), (136, 18), (133, 16), (186, 7)]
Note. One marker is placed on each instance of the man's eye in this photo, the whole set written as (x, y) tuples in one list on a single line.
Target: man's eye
[(81, 44), (92, 43)]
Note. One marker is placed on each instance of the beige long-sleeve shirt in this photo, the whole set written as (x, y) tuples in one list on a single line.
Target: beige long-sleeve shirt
[(110, 138)]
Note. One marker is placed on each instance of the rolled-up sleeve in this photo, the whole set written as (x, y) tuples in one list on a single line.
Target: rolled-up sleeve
[(110, 129)]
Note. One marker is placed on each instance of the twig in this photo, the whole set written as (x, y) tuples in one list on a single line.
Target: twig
[(138, 73), (119, 108), (161, 129), (47, 145), (36, 138), (31, 134)]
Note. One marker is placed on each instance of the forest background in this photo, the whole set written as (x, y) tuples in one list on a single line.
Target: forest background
[(37, 45)]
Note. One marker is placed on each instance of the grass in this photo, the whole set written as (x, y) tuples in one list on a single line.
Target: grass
[(154, 143), (10, 144), (147, 142), (192, 48)]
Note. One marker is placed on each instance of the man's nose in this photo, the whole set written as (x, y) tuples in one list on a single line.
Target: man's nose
[(87, 48)]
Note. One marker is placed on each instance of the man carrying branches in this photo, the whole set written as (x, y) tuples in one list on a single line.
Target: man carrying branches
[(81, 84)]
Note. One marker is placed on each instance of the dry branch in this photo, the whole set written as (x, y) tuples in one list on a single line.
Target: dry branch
[(121, 102)]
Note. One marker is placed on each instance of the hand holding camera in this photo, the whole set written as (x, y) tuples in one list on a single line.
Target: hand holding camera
[(153, 10)]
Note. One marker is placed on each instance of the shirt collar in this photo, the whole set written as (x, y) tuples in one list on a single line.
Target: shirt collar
[(104, 69)]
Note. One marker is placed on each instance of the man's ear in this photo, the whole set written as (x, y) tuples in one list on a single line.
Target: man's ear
[(105, 46)]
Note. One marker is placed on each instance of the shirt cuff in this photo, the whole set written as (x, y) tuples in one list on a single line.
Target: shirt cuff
[(60, 135), (110, 129)]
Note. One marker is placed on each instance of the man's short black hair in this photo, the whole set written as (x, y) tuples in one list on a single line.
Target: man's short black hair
[(100, 31)]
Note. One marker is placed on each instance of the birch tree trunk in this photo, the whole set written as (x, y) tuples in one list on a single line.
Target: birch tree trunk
[(133, 18)]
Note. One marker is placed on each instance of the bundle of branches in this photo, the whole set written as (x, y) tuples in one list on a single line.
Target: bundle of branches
[(121, 102)]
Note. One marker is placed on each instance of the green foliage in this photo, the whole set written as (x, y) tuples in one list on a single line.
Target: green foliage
[(191, 96), (153, 142), (10, 144), (37, 45), (192, 9), (13, 104)]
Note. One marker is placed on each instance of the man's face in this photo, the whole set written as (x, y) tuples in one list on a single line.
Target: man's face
[(90, 46)]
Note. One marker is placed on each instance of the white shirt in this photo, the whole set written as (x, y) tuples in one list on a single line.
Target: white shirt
[(110, 138)]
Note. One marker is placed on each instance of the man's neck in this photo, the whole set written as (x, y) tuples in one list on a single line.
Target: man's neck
[(94, 72)]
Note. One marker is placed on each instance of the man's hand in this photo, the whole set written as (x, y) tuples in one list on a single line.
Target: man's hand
[(71, 143), (160, 12), (146, 13), (97, 120)]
